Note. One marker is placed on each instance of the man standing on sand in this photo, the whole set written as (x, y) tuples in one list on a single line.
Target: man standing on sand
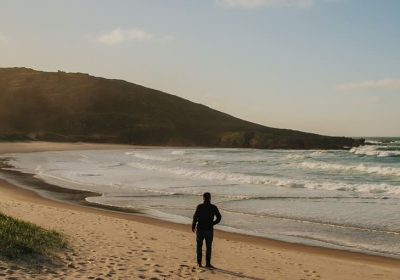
[(204, 218)]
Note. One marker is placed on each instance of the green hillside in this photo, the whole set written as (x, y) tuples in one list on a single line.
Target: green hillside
[(71, 107)]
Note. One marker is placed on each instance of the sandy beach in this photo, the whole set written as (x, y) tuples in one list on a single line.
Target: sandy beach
[(106, 244)]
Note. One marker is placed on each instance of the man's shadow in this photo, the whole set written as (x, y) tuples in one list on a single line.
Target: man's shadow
[(237, 274)]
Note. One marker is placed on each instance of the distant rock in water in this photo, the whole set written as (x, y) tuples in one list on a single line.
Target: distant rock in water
[(71, 107)]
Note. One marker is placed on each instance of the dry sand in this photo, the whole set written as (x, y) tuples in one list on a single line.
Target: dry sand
[(112, 245)]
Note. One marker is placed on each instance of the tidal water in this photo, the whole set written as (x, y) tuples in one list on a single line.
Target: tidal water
[(339, 199)]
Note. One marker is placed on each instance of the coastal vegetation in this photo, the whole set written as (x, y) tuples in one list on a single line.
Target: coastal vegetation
[(70, 107), (19, 239)]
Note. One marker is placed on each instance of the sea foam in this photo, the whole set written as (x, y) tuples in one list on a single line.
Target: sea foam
[(240, 178), (361, 168), (374, 150)]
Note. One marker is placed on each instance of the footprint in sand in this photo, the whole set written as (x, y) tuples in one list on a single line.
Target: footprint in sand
[(147, 251), (312, 273)]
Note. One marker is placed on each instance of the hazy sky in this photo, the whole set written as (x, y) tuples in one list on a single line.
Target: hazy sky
[(325, 66)]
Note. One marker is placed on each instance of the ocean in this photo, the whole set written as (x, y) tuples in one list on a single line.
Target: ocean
[(344, 199)]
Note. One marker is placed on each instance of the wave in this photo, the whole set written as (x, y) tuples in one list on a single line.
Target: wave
[(178, 152), (373, 142), (383, 141), (320, 153), (298, 156), (380, 170), (147, 157), (295, 156), (240, 178), (377, 151)]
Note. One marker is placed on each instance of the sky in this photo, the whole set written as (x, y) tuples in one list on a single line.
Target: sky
[(324, 66)]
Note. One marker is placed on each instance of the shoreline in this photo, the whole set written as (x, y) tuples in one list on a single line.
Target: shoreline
[(78, 197), (30, 196), (124, 213)]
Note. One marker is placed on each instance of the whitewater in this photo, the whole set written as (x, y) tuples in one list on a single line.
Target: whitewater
[(344, 199)]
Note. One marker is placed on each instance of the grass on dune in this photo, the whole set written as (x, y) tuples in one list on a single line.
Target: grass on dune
[(19, 239)]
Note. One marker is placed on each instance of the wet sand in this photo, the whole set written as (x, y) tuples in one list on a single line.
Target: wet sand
[(110, 244)]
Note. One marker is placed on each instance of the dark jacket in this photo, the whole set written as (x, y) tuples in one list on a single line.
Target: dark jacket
[(204, 216)]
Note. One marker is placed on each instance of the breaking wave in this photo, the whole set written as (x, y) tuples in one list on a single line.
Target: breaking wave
[(362, 168), (239, 178), (147, 157), (376, 150), (178, 152)]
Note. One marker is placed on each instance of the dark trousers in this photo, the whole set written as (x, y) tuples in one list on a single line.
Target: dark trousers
[(200, 236)]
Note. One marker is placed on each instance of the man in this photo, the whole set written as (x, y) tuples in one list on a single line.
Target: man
[(204, 218)]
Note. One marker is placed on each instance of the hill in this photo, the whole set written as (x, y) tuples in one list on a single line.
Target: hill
[(59, 106)]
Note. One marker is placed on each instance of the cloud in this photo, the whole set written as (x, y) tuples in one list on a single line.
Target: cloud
[(387, 84), (119, 36), (251, 4)]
